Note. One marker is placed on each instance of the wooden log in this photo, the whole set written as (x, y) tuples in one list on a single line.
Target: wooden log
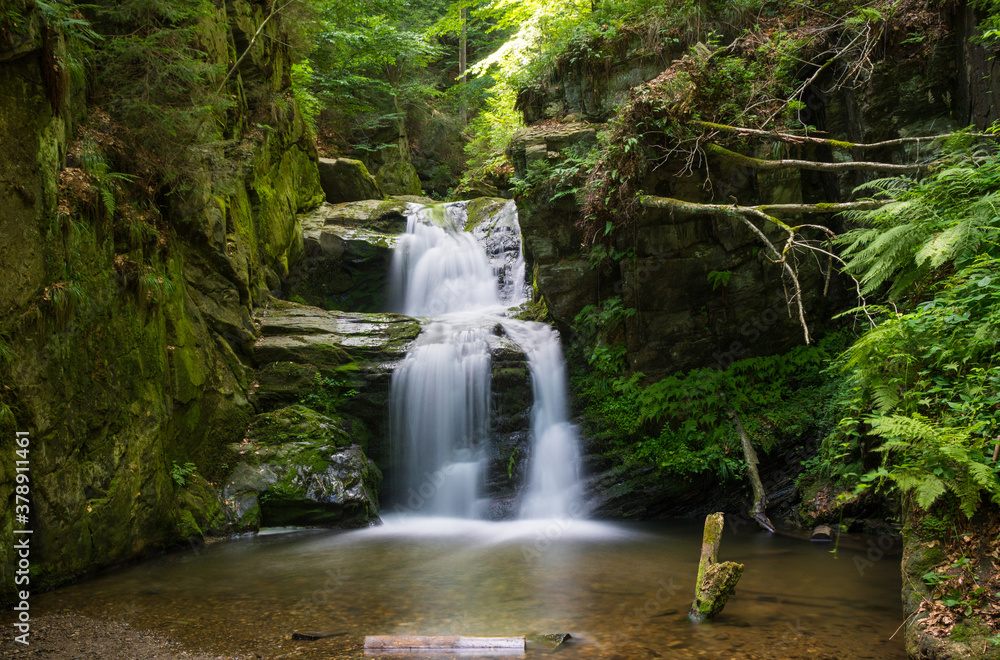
[(442, 643)]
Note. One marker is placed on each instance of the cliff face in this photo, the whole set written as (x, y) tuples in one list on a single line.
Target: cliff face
[(125, 366), (704, 290)]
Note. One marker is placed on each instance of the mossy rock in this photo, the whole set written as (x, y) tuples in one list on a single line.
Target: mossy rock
[(398, 178), (297, 423), (347, 180), (474, 190), (201, 510), (304, 483)]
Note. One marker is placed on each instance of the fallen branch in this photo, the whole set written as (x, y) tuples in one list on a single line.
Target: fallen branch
[(789, 164), (838, 144), (759, 509), (694, 208)]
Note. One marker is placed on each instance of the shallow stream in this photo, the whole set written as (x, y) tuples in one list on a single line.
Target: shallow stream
[(621, 590)]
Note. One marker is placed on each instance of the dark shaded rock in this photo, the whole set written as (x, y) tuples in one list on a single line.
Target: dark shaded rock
[(346, 180), (313, 636), (346, 256)]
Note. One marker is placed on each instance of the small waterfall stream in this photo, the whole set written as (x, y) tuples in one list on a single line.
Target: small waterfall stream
[(463, 283)]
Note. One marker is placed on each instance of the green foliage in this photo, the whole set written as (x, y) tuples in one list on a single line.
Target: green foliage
[(719, 278), (155, 77), (303, 79), (928, 372), (182, 474), (330, 392), (681, 423), (365, 61), (947, 218), (562, 178), (930, 460)]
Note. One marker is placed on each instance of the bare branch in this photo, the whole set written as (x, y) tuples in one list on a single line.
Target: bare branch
[(786, 164), (837, 144)]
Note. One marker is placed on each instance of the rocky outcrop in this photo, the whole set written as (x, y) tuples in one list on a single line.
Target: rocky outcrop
[(580, 88), (131, 370), (346, 256), (347, 180), (332, 361)]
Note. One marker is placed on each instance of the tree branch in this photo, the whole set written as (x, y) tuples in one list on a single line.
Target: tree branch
[(786, 164), (837, 144)]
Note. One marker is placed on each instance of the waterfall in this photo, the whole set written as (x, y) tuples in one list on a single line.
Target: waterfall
[(553, 477), (462, 282)]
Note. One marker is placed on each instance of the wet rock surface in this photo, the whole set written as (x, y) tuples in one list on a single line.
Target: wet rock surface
[(322, 386), (347, 249)]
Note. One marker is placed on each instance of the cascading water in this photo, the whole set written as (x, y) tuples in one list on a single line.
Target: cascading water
[(440, 395), (553, 477)]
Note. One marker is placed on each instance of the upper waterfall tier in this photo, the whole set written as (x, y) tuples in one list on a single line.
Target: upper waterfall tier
[(440, 268)]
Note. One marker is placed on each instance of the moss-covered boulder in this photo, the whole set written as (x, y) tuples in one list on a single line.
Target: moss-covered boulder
[(347, 180), (399, 178), (300, 467), (475, 189)]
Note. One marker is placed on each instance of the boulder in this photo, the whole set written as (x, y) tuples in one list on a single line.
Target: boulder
[(347, 180), (300, 467), (399, 178), (475, 189)]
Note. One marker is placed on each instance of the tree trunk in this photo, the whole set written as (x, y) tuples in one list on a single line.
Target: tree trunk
[(463, 76)]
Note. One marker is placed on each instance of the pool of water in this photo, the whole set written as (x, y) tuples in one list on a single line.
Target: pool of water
[(621, 591)]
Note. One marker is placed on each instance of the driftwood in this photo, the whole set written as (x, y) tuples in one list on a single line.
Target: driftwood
[(716, 581), (442, 643), (319, 634)]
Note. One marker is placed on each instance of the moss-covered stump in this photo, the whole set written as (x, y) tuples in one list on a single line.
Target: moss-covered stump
[(718, 584), (300, 467), (347, 251), (716, 581), (347, 180)]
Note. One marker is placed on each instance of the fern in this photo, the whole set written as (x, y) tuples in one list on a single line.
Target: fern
[(944, 219), (932, 460)]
